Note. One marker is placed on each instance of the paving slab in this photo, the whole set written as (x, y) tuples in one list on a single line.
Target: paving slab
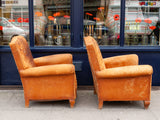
[(12, 107)]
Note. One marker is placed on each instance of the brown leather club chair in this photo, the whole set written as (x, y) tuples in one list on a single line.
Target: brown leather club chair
[(45, 78), (118, 78)]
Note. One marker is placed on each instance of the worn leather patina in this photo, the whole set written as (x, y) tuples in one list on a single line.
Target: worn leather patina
[(118, 78), (45, 78)]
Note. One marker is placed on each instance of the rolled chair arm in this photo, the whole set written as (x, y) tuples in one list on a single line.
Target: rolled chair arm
[(53, 59), (48, 70), (127, 71), (122, 60)]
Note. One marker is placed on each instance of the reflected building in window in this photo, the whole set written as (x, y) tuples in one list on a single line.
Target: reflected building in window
[(102, 21), (14, 20)]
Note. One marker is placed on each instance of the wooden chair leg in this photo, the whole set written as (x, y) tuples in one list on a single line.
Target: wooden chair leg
[(100, 104), (95, 91), (72, 102), (26, 103), (146, 104)]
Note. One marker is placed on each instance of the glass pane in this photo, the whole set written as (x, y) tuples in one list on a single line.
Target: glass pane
[(14, 20), (52, 22), (102, 21), (142, 23)]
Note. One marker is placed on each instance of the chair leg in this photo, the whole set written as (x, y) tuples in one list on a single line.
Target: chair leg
[(26, 103), (72, 102), (100, 104), (95, 91), (146, 104)]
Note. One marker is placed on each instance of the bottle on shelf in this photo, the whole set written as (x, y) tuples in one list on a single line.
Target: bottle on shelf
[(127, 42), (135, 36), (135, 39), (145, 40), (145, 37), (58, 41), (100, 40), (105, 38), (153, 40), (49, 37)]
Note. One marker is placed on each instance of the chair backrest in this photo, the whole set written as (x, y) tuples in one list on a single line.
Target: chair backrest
[(21, 53), (94, 54)]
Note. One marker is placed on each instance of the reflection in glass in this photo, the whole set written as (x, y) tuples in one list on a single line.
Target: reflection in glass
[(14, 20), (102, 21), (142, 22), (52, 22)]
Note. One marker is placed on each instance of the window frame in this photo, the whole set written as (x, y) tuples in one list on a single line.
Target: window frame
[(76, 25)]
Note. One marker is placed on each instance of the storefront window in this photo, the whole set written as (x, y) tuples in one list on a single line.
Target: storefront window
[(14, 20), (52, 22), (142, 23), (101, 21)]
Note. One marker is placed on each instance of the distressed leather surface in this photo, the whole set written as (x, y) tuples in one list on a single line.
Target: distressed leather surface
[(40, 79), (54, 59), (118, 78), (22, 54), (60, 69), (127, 71), (122, 60)]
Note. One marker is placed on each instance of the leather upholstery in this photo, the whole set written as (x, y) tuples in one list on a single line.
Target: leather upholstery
[(22, 54), (45, 78), (127, 71), (53, 59), (118, 78), (60, 69), (122, 60), (94, 55)]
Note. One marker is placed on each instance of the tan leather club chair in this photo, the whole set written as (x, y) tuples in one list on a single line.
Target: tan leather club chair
[(118, 78), (45, 78)]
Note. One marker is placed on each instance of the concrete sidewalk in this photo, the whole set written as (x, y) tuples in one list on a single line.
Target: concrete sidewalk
[(86, 108)]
